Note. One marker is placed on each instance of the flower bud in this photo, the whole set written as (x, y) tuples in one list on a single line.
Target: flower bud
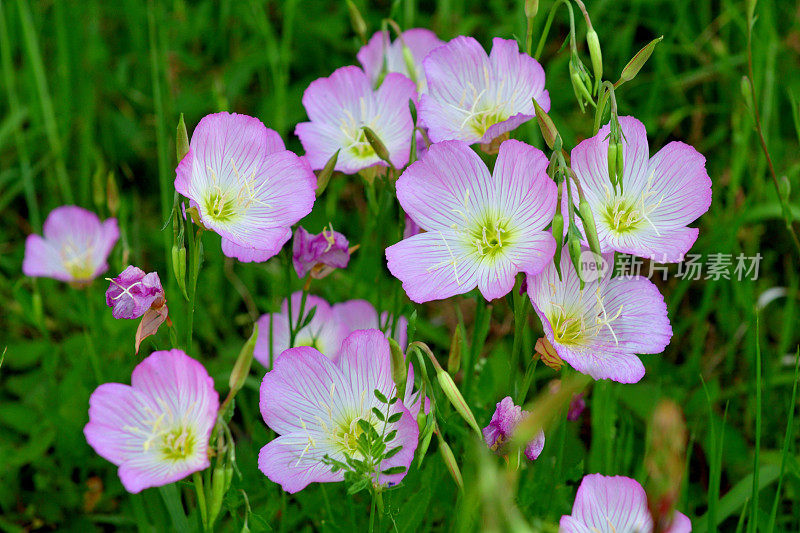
[(620, 165), (450, 461), (112, 194), (359, 26), (179, 267), (408, 58), (558, 235), (325, 174), (217, 491), (399, 368), (241, 369), (181, 140), (549, 131), (578, 85), (427, 425), (412, 107), (589, 228), (531, 8), (376, 144), (454, 359), (98, 188), (747, 93), (456, 399), (612, 163), (637, 62), (574, 247), (596, 55), (665, 461)]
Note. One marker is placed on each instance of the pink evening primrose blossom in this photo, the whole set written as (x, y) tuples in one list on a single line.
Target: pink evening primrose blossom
[(380, 49), (319, 254), (74, 247), (327, 329), (600, 329), (473, 97), (314, 404), (660, 195), (501, 429), (156, 430), (133, 292), (614, 504), (245, 185), (481, 229), (341, 105)]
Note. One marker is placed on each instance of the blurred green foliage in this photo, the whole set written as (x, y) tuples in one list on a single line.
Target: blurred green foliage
[(91, 88)]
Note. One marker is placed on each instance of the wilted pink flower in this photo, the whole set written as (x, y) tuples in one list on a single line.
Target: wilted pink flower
[(319, 254), (600, 329), (315, 405), (660, 194), (157, 429), (327, 329), (341, 105), (245, 185), (501, 428), (614, 504), (380, 49), (480, 229), (473, 97), (576, 407), (133, 292), (74, 248)]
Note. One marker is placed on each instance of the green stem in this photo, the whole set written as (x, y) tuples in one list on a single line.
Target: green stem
[(195, 255), (201, 498), (372, 514)]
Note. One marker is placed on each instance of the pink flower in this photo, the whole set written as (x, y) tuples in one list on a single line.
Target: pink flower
[(660, 194), (315, 405), (341, 105), (501, 428), (319, 254), (133, 292), (480, 229), (246, 186), (473, 97), (600, 329), (327, 329), (614, 504), (74, 248), (157, 429), (379, 49)]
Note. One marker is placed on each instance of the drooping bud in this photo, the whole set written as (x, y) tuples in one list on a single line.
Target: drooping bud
[(596, 56), (620, 166), (612, 162), (241, 369), (558, 234), (576, 75), (637, 62), (181, 140), (427, 425), (450, 461), (408, 58), (359, 26), (399, 368), (376, 144), (325, 174), (456, 399), (589, 227), (549, 131)]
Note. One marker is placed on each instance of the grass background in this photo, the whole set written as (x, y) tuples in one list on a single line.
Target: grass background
[(92, 89)]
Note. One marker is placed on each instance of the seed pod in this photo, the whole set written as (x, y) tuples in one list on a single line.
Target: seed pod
[(450, 462), (399, 368), (376, 144), (596, 55), (637, 62), (325, 174), (589, 227), (181, 140)]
